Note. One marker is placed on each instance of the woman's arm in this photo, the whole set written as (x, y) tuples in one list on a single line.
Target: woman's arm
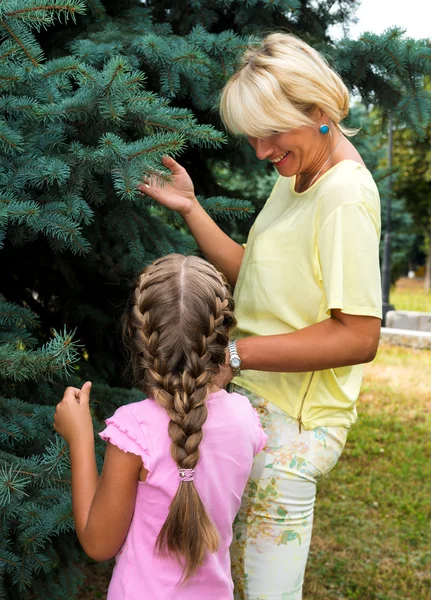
[(102, 508), (339, 341), (219, 248), (179, 195)]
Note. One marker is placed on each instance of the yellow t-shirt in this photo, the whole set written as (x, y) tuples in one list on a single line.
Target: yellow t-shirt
[(308, 253)]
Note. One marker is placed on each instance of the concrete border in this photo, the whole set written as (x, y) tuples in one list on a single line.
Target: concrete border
[(405, 337), (408, 319)]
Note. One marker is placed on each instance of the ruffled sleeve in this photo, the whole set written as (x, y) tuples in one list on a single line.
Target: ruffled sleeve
[(124, 431), (262, 438)]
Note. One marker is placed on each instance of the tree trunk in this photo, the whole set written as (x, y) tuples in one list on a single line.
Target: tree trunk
[(427, 282)]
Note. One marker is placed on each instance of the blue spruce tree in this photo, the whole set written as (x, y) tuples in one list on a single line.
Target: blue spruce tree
[(86, 110)]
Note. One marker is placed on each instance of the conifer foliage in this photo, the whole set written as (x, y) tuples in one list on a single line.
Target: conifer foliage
[(77, 133), (86, 110)]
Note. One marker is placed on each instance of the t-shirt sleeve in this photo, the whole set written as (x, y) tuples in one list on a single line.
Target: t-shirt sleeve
[(124, 431), (348, 249), (261, 437)]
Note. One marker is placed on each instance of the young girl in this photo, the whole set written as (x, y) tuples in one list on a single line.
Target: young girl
[(176, 464)]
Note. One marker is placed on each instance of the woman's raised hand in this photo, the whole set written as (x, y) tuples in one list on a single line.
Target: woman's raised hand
[(178, 194)]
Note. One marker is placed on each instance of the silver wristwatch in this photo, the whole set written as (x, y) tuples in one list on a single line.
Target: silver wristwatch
[(234, 361)]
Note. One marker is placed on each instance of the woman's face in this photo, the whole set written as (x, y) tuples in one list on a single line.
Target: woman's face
[(297, 151)]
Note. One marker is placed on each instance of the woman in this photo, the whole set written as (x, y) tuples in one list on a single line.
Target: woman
[(307, 292)]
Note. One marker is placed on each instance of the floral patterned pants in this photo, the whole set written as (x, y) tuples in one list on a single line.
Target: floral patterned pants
[(272, 531)]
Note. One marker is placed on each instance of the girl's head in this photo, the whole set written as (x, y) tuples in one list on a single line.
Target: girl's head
[(176, 329), (279, 97)]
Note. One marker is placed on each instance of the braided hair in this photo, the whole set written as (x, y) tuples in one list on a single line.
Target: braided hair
[(176, 329)]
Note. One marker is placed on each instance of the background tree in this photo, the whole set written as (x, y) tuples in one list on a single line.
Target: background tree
[(78, 130), (412, 158), (372, 144)]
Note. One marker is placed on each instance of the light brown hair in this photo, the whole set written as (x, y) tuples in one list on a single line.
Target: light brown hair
[(176, 329)]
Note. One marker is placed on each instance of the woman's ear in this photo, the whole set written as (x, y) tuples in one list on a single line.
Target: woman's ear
[(317, 114)]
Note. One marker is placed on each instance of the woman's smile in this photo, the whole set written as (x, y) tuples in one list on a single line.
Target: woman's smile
[(280, 160)]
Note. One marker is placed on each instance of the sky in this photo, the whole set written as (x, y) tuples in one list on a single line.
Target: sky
[(378, 15)]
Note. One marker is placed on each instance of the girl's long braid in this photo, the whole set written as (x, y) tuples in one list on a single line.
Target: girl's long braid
[(178, 330)]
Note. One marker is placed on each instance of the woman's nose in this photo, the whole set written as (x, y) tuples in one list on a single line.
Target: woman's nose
[(263, 149)]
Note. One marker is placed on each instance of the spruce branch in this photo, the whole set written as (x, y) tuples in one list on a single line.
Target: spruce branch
[(24, 41), (54, 359), (10, 140), (18, 316), (37, 13), (69, 66), (24, 212), (56, 457), (221, 207), (96, 8), (63, 232), (20, 107), (12, 485)]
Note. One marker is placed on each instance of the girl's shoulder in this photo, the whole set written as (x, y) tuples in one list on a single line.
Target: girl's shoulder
[(223, 405), (148, 408), (144, 424), (237, 410), (138, 414), (238, 401), (125, 429)]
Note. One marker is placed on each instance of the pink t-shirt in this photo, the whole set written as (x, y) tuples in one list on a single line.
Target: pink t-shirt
[(232, 436)]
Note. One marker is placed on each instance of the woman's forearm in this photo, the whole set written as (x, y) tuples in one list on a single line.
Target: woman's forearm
[(329, 344), (218, 247), (85, 479)]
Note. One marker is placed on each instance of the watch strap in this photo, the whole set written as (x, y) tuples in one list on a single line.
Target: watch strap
[(235, 359)]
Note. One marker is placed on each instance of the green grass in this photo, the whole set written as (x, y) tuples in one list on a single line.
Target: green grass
[(372, 534), (410, 299)]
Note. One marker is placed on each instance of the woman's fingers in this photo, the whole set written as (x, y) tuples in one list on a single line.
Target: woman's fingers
[(147, 186), (150, 182), (171, 164)]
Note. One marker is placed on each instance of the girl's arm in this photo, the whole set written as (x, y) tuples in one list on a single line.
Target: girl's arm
[(103, 513), (339, 341), (102, 508)]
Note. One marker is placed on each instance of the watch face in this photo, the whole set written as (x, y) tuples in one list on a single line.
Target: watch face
[(235, 363)]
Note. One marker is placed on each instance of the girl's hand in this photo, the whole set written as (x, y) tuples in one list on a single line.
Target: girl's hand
[(72, 419), (177, 195)]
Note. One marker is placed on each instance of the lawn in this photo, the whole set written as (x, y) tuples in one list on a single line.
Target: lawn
[(372, 534), (409, 294)]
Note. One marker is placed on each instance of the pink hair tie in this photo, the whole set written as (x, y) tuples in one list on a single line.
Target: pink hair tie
[(186, 474)]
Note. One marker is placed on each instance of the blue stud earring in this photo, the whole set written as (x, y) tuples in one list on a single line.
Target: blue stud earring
[(324, 129)]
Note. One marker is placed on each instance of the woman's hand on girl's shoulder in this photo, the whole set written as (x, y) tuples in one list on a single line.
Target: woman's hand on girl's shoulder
[(224, 376)]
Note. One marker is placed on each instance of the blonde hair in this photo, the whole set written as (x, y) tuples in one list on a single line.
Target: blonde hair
[(176, 329), (277, 86)]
